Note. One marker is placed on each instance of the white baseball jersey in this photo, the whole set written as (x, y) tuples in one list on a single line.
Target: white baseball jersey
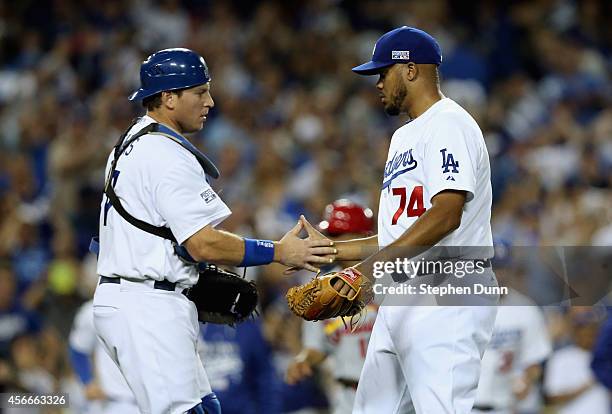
[(346, 348), (83, 338), (161, 183), (442, 149), (567, 370), (520, 339)]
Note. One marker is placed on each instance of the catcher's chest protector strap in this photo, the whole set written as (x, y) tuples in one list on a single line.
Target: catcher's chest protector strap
[(155, 128)]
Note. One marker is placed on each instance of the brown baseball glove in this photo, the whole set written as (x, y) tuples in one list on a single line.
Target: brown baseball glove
[(343, 293)]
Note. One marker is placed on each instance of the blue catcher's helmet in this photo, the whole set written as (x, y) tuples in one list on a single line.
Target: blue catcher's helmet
[(170, 69)]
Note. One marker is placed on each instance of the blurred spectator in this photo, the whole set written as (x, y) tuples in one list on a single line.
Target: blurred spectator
[(14, 319), (62, 298), (239, 365), (103, 387), (31, 375), (602, 354), (568, 380), (511, 365), (30, 256), (283, 331)]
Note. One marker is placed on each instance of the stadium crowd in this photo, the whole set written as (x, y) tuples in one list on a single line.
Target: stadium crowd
[(292, 130)]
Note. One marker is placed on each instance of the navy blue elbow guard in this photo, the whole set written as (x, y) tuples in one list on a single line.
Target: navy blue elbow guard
[(257, 252)]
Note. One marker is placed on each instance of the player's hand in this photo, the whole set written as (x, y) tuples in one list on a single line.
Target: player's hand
[(306, 253), (93, 391), (344, 288), (313, 234), (298, 370)]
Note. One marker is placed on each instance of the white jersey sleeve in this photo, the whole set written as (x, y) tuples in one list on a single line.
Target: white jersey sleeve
[(536, 345), (83, 335), (451, 156), (186, 200), (313, 336), (569, 369)]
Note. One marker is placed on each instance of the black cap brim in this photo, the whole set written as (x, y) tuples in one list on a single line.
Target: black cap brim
[(371, 68)]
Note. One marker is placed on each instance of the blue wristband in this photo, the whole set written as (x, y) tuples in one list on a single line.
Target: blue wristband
[(257, 252)]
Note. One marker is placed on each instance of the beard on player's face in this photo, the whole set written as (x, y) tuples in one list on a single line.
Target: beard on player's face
[(394, 105)]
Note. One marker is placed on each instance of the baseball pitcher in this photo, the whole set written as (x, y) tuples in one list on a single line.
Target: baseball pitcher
[(436, 191)]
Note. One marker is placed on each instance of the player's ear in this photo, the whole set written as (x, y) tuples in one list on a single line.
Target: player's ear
[(168, 99), (411, 71)]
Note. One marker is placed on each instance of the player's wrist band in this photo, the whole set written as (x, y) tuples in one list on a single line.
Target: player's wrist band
[(257, 252)]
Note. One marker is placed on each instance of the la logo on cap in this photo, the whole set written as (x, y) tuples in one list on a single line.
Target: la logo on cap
[(400, 55)]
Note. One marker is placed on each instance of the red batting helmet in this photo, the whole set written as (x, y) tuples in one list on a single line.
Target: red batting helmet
[(343, 216)]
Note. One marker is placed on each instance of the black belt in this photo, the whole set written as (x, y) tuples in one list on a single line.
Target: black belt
[(159, 284), (349, 383), (484, 408)]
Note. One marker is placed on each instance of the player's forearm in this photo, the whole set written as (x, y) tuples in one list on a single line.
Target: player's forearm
[(312, 356), (523, 384), (435, 224), (216, 246), (221, 247), (569, 396), (356, 249), (533, 373)]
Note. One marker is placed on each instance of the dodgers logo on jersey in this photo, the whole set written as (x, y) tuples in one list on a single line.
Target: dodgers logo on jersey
[(398, 165), (449, 165)]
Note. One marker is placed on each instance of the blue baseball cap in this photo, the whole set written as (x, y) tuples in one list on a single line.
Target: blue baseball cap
[(402, 45)]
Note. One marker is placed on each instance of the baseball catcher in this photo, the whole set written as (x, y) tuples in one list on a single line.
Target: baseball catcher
[(159, 215), (343, 293)]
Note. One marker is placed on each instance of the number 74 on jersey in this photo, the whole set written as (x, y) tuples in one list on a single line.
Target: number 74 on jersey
[(416, 207)]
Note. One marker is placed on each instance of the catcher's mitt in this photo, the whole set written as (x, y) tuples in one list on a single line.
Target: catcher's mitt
[(318, 299), (223, 297)]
